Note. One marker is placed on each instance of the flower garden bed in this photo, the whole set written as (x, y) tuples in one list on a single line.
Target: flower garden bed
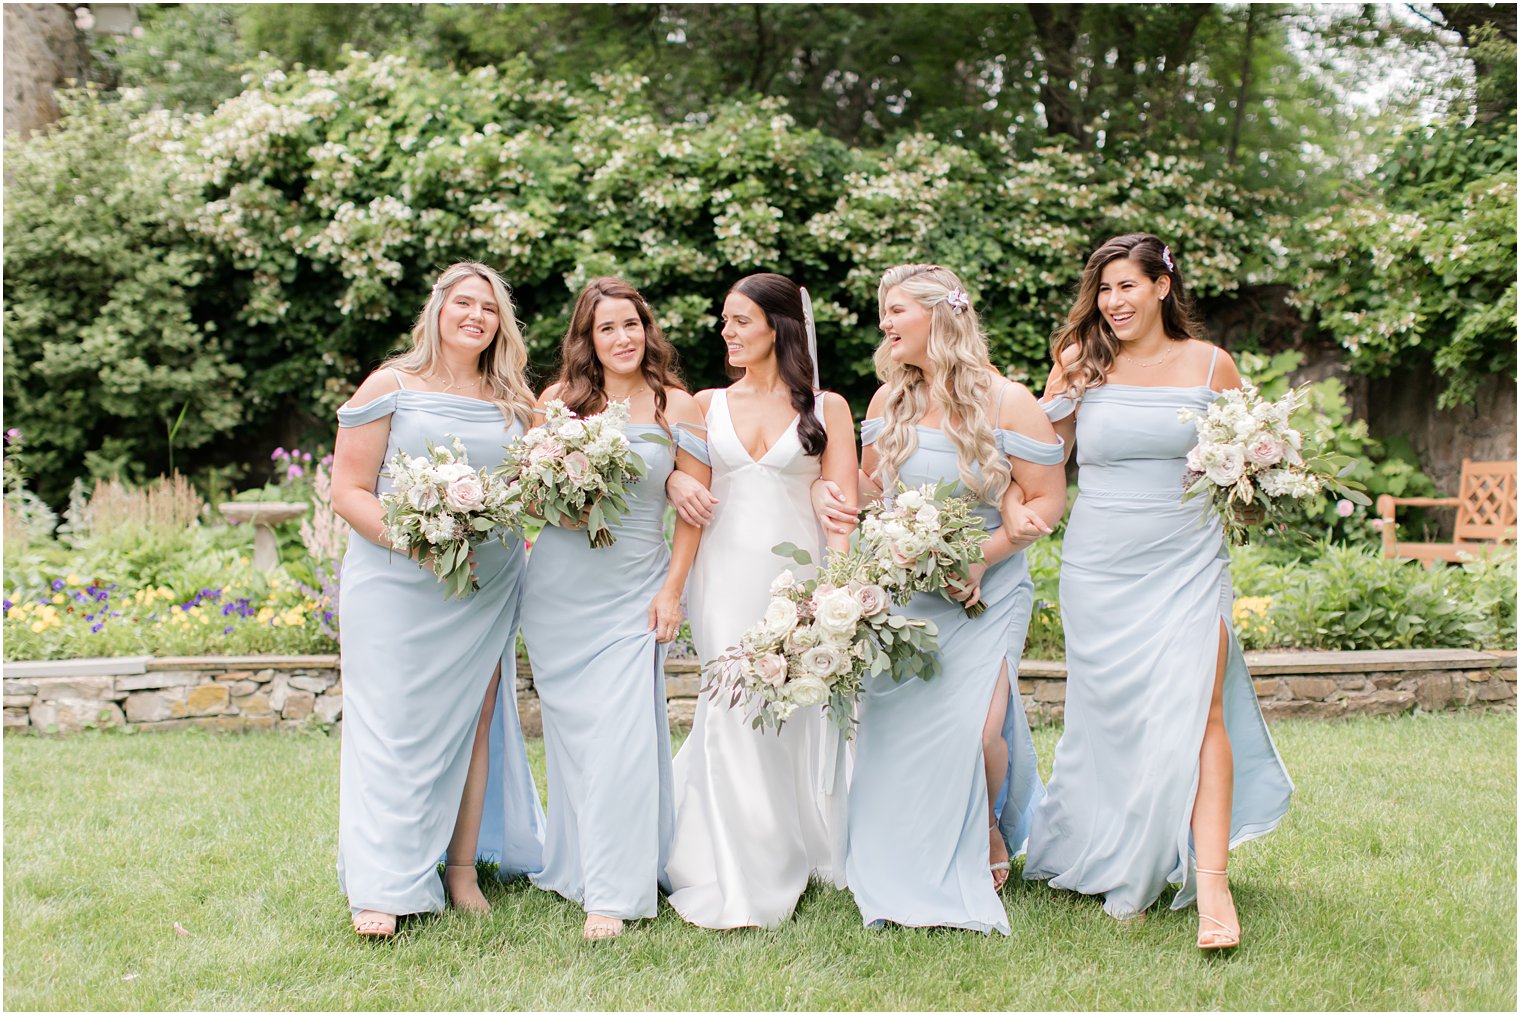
[(260, 692)]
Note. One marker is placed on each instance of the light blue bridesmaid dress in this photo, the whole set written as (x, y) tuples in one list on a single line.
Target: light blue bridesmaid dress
[(918, 852), (416, 666), (1145, 585), (601, 683)]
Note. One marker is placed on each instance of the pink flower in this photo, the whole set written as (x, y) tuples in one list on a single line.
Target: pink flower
[(465, 494), (1377, 523), (1265, 450), (577, 467), (1345, 508), (294, 472), (771, 668), (545, 452)]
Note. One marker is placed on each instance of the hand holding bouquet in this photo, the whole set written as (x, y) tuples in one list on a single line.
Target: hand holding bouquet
[(572, 471), (1250, 458), (442, 508), (817, 641), (925, 540)]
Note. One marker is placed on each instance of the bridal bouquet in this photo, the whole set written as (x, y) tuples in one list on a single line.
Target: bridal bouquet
[(442, 506), (572, 471), (1249, 453), (927, 537), (818, 639)]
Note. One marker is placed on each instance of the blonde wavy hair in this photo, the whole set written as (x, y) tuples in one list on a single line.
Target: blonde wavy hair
[(502, 363), (963, 377)]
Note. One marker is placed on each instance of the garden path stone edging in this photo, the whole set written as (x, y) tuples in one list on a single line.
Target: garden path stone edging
[(237, 693)]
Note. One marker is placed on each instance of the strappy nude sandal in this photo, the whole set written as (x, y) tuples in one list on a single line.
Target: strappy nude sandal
[(374, 924), (1003, 867), (1223, 938), (602, 931)]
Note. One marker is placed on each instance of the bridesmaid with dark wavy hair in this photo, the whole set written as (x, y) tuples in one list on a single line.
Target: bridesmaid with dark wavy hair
[(597, 621), (1165, 764)]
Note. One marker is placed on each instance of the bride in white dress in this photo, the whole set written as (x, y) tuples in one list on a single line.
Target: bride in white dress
[(758, 812)]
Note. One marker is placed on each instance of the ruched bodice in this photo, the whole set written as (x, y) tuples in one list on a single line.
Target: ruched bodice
[(416, 665), (919, 835), (1145, 588)]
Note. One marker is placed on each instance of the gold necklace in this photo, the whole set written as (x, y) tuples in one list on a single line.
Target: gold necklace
[(473, 386), (1171, 348)]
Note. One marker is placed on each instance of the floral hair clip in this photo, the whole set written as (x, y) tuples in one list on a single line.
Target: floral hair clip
[(958, 300), (1166, 258)]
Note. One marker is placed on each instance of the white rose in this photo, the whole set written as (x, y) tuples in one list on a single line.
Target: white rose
[(802, 638), (928, 516), (823, 661), (783, 582), (780, 617), (1229, 465), (910, 500), (423, 497), (572, 429), (771, 668), (808, 690), (835, 613), (465, 494)]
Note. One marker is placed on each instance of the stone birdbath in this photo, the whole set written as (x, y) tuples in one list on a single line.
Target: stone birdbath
[(264, 515)]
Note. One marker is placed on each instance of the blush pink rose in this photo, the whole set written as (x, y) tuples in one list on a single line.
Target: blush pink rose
[(577, 467)]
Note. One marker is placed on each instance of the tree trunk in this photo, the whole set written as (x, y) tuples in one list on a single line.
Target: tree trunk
[(1057, 27), (1245, 84)]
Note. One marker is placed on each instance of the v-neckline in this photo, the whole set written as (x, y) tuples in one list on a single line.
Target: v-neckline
[(728, 415)]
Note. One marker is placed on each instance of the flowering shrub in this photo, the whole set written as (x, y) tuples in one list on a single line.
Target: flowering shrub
[(253, 262), (1424, 264)]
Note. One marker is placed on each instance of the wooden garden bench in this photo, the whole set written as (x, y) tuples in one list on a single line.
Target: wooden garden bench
[(1485, 515)]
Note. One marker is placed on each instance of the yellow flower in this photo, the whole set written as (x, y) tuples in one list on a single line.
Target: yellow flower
[(58, 598), (38, 627), (72, 579)]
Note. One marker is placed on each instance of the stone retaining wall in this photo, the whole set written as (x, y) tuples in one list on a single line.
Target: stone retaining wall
[(283, 692)]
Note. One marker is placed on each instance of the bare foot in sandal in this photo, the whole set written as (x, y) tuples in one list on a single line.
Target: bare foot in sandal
[(601, 928), (370, 923)]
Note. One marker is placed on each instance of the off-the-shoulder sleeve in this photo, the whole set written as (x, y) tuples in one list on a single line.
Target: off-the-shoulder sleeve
[(689, 441), (1038, 452), (1059, 407), (358, 415), (870, 430)]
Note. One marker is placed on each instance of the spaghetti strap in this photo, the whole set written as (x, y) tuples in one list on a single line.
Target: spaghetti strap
[(399, 382), (997, 411), (1209, 380)]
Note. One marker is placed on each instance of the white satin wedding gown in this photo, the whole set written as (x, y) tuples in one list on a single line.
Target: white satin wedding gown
[(757, 812)]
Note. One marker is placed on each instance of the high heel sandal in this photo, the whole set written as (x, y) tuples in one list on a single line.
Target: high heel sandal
[(1003, 867), (1226, 936)]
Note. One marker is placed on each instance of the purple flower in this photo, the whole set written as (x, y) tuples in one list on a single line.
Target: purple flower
[(95, 628), (227, 630), (57, 584), (8, 605)]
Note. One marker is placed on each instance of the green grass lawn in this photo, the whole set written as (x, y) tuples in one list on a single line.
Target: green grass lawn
[(1390, 885)]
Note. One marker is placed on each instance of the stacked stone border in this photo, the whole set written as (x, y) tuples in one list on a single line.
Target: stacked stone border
[(236, 693)]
